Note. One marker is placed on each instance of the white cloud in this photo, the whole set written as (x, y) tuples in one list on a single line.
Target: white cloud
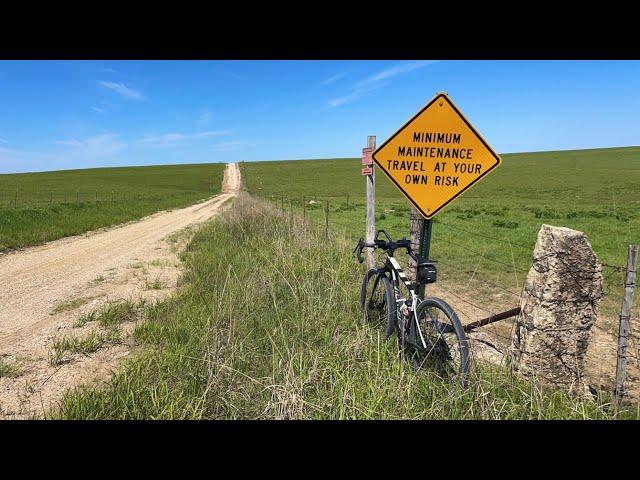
[(14, 161), (90, 151), (354, 95), (97, 109), (334, 78), (394, 72), (109, 70), (172, 139), (70, 143), (205, 117), (95, 146), (212, 133), (336, 102), (122, 89), (377, 80), (230, 73), (232, 145), (6, 152)]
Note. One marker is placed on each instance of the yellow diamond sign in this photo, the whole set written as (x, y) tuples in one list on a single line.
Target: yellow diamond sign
[(435, 156)]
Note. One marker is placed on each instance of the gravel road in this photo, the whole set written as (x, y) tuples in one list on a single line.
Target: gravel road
[(99, 266)]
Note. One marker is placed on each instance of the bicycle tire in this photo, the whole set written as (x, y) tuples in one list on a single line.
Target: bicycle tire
[(378, 307), (446, 339)]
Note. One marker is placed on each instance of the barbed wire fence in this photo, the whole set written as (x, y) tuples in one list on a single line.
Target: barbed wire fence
[(21, 200), (498, 295), (487, 280)]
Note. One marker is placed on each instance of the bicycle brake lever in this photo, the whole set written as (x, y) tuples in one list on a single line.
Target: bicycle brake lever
[(358, 251)]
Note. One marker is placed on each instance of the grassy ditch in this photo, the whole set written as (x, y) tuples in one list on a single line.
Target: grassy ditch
[(265, 325)]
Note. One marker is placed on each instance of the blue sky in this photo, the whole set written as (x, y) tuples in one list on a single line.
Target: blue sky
[(79, 114)]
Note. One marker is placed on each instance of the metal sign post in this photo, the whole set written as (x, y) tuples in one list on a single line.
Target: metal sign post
[(425, 245)]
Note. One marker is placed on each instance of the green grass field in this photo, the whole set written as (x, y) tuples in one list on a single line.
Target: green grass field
[(39, 207), (492, 228)]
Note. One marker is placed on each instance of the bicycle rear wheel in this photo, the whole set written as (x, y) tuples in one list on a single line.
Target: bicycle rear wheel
[(447, 349), (377, 302)]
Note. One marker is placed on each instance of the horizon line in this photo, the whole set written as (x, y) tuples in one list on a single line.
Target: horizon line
[(293, 160)]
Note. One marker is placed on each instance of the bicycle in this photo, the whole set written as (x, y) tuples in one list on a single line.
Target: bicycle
[(428, 330)]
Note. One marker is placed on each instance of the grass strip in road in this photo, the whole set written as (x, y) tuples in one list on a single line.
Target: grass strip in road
[(70, 345), (9, 368)]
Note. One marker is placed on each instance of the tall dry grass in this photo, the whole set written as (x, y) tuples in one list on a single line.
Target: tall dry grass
[(266, 326)]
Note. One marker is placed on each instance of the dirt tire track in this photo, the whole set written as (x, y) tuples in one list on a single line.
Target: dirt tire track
[(35, 280)]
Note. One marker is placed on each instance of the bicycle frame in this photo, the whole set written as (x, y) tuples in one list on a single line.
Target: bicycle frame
[(407, 308), (412, 330), (410, 325)]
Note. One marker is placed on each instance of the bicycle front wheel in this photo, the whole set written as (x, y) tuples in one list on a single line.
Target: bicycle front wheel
[(377, 302), (447, 346)]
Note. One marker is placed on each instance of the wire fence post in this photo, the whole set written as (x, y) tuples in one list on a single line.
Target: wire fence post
[(51, 199), (625, 314), (304, 210), (347, 200), (326, 221), (15, 200), (370, 231), (290, 213)]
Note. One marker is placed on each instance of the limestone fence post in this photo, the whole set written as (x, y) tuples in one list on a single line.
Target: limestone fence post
[(559, 306)]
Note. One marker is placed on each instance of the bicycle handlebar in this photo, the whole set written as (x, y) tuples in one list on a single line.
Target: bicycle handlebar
[(383, 244)]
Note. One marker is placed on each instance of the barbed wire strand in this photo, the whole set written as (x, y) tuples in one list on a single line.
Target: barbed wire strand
[(478, 253), (526, 247), (485, 281)]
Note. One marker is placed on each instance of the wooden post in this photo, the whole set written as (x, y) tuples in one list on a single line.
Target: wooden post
[(415, 230), (347, 200), (77, 197), (370, 231), (290, 213), (326, 221), (625, 314), (51, 198), (15, 200), (304, 210)]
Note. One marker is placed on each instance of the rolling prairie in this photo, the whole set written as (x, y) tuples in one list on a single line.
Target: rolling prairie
[(39, 207)]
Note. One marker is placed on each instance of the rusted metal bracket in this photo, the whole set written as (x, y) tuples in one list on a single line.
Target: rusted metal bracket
[(494, 318)]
